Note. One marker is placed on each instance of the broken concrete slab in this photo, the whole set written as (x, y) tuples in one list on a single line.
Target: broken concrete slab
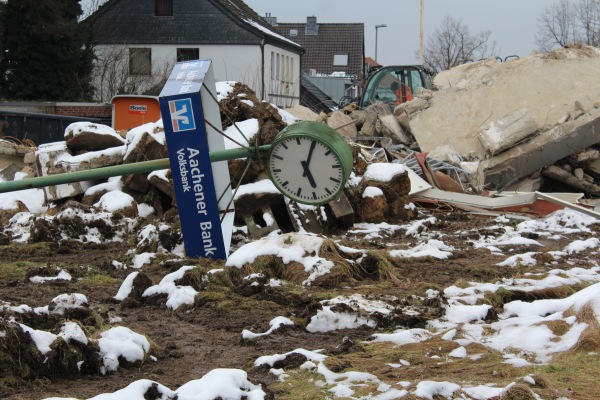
[(263, 226), (507, 131), (14, 153), (370, 116), (144, 149), (473, 94), (540, 151), (8, 173), (342, 211), (594, 167), (45, 160), (342, 123), (586, 157), (445, 153), (559, 174), (531, 183), (390, 127), (65, 162), (302, 113), (252, 204), (163, 181), (307, 218)]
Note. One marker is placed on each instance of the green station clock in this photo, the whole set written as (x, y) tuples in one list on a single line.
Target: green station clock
[(310, 162)]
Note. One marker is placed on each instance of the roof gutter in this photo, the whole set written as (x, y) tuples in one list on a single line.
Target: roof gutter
[(262, 69)]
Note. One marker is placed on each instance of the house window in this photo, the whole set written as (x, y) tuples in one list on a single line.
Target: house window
[(340, 60), (188, 54), (293, 32), (278, 67), (140, 61), (163, 8), (272, 65)]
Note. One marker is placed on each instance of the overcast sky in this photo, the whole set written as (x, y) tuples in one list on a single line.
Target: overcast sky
[(513, 23)]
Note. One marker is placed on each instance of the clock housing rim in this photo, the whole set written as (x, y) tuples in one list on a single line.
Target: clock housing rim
[(329, 138)]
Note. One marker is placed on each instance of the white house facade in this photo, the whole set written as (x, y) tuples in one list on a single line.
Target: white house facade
[(239, 43)]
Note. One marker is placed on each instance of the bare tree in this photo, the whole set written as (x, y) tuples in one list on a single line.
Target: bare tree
[(557, 26), (452, 44), (111, 74), (588, 17)]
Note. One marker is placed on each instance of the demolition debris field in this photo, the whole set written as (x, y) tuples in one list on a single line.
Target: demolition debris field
[(401, 290), (192, 340)]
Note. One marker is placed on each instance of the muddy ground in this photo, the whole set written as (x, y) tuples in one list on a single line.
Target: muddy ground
[(191, 341)]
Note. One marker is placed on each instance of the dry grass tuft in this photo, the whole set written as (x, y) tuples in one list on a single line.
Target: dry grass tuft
[(342, 271), (559, 292), (518, 392), (462, 283), (541, 382), (558, 327), (590, 338), (193, 278), (377, 266), (272, 267)]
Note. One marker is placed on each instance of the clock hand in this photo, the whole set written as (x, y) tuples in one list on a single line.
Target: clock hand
[(307, 162), (308, 174)]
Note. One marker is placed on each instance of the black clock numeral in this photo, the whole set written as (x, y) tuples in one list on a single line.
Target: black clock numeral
[(298, 141), (328, 191), (298, 192), (328, 152), (277, 170), (335, 180), (284, 184), (277, 157), (284, 146), (336, 166), (314, 195)]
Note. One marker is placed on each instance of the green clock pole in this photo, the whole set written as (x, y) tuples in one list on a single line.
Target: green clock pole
[(123, 169)]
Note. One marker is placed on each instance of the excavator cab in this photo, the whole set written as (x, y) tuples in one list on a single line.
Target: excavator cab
[(394, 85)]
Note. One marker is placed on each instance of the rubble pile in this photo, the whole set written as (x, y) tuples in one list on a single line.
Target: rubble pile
[(507, 123), (489, 128), (91, 146)]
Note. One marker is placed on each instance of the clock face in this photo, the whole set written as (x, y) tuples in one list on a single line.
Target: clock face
[(306, 170)]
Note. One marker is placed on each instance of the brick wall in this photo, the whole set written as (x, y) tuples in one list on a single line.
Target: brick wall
[(91, 110)]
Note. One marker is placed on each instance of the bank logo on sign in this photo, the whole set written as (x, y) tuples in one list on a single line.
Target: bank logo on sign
[(182, 116)]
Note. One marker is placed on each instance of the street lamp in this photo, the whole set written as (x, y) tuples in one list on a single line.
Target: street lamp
[(421, 33), (376, 30)]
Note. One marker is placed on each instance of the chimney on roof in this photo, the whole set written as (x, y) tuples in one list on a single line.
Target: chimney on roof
[(271, 20), (311, 26)]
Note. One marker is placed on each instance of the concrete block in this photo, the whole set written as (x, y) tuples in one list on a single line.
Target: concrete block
[(507, 131), (342, 211), (538, 152), (45, 159)]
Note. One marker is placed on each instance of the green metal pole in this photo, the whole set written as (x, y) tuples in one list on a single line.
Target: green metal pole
[(123, 169)]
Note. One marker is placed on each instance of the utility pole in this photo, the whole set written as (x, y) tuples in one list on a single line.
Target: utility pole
[(421, 34), (376, 30)]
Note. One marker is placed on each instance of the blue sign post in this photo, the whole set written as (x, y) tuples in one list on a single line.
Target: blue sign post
[(201, 188)]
